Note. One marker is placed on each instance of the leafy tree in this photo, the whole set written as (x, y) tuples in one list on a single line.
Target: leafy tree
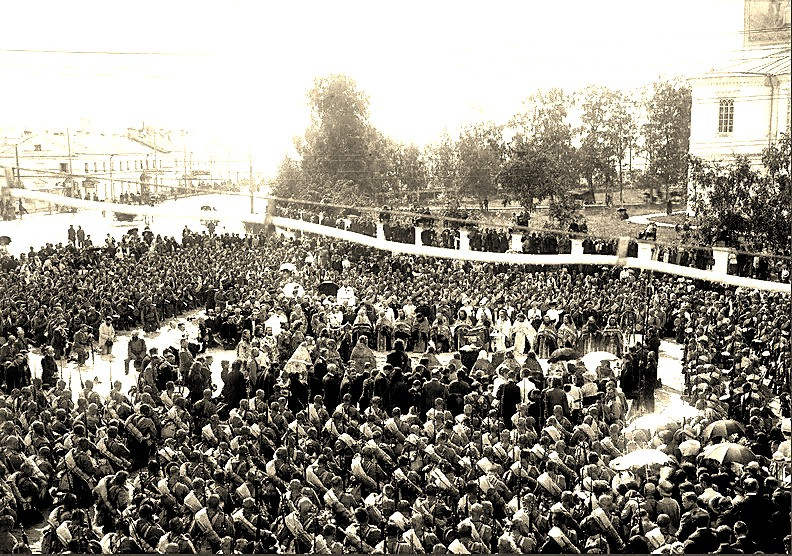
[(741, 206), (338, 154), (443, 165), (480, 153), (667, 132), (540, 159), (606, 132)]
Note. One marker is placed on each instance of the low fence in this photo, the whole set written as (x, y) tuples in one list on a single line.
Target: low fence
[(630, 253)]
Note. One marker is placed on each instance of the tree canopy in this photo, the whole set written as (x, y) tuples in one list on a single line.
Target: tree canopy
[(742, 205), (667, 133)]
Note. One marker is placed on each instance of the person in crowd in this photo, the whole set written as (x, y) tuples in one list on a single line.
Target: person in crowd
[(347, 449)]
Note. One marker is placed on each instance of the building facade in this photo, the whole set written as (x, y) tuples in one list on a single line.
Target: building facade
[(743, 107)]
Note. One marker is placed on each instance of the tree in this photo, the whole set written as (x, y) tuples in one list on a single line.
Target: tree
[(667, 133), (443, 165), (480, 153), (607, 130), (540, 159), (737, 204), (339, 152)]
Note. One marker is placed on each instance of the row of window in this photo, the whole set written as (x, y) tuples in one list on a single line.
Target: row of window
[(122, 165)]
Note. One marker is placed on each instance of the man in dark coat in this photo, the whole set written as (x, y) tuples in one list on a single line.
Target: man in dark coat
[(235, 386), (18, 372), (457, 390), (49, 367), (331, 385), (509, 396), (398, 358)]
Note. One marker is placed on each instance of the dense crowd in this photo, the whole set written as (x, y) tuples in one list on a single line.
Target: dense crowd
[(316, 443), (441, 233)]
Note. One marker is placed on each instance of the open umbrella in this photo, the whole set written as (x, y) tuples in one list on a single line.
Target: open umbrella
[(723, 428), (293, 289), (592, 360), (651, 422), (5, 240), (639, 458), (681, 411), (729, 452), (563, 354), (288, 266), (328, 288)]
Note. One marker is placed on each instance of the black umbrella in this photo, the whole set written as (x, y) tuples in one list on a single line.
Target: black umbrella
[(132, 231), (564, 354), (5, 240), (328, 288)]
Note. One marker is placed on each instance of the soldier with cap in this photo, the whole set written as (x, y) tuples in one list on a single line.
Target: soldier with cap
[(210, 524)]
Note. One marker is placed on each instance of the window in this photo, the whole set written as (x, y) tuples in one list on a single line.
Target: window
[(104, 166), (64, 166), (726, 116), (95, 168), (86, 167), (136, 164)]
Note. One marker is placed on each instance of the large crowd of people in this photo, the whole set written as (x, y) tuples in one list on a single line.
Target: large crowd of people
[(385, 404)]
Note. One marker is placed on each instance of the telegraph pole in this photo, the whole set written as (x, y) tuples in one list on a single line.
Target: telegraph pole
[(18, 175), (250, 159), (71, 175)]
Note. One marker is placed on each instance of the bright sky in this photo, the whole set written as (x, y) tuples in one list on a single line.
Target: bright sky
[(239, 71)]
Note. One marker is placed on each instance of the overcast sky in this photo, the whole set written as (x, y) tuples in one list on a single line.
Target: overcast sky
[(240, 71)]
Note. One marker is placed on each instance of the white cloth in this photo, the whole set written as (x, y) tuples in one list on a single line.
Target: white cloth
[(346, 296)]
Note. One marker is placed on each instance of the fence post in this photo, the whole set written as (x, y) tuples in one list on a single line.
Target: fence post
[(464, 240), (721, 256), (516, 242)]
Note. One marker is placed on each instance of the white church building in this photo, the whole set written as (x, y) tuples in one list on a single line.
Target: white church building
[(743, 107)]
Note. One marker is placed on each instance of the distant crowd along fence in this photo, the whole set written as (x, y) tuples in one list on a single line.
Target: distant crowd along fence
[(644, 259)]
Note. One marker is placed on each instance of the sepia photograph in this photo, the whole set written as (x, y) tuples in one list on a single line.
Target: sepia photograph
[(407, 277)]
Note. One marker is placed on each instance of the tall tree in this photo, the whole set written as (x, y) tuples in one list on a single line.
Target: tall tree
[(540, 159), (443, 165), (340, 146), (480, 153), (667, 132), (607, 128)]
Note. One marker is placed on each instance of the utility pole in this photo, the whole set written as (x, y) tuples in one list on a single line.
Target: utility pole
[(71, 175), (184, 152), (250, 159), (18, 175)]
